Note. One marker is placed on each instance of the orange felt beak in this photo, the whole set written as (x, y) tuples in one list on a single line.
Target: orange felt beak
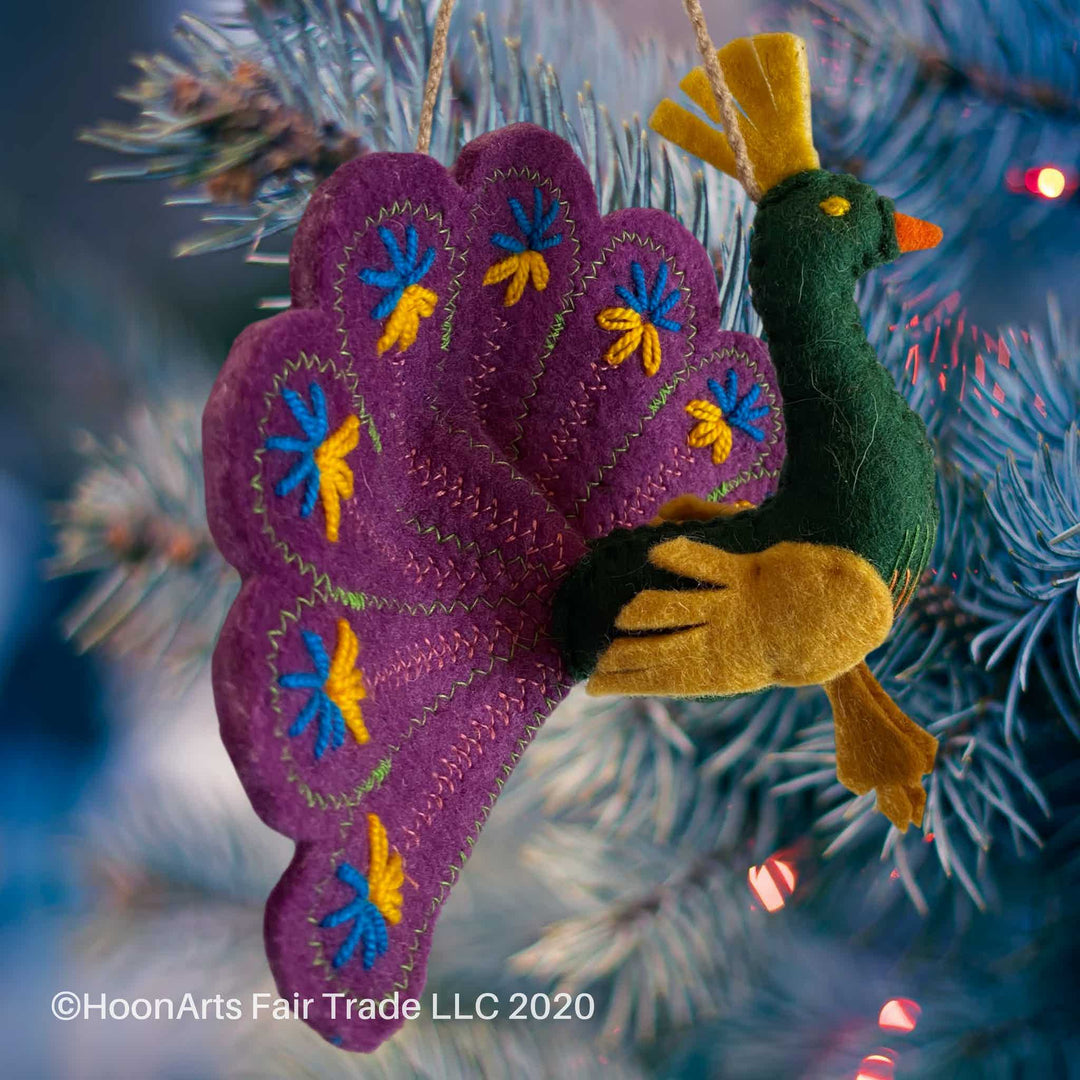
[(913, 234)]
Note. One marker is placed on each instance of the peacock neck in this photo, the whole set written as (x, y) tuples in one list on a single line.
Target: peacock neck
[(803, 280), (815, 333), (837, 397), (859, 469)]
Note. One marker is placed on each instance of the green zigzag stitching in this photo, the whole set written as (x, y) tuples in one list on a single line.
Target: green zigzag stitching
[(606, 251), (347, 800), (362, 600), (450, 875), (375, 778), (552, 336), (756, 471), (516, 477), (399, 207), (357, 600), (668, 389), (309, 363)]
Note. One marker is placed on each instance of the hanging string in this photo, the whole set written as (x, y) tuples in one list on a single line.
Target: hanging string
[(729, 111), (434, 78)]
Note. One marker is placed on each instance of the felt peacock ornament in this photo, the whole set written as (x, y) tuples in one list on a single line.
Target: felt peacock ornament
[(798, 590), (499, 442)]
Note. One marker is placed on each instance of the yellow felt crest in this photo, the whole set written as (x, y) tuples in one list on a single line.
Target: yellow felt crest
[(769, 77)]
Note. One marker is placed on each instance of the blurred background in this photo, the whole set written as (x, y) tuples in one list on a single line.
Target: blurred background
[(735, 912)]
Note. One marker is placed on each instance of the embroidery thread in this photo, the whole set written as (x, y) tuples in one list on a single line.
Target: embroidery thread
[(376, 903), (716, 422), (637, 322), (368, 925), (405, 300), (337, 688), (386, 873), (526, 259), (321, 466)]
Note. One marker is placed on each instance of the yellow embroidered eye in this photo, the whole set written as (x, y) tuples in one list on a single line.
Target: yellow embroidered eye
[(835, 206)]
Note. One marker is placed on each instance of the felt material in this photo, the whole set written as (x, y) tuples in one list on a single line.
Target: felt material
[(879, 748), (606, 443), (835, 205), (769, 77), (795, 614), (444, 571), (914, 234), (694, 508), (859, 473), (858, 479), (490, 442), (864, 475), (604, 400)]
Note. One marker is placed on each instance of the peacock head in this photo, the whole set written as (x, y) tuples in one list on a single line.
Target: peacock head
[(830, 227), (813, 226)]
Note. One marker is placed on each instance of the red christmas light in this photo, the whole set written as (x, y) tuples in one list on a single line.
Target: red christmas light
[(899, 1014), (880, 1065), (1050, 182), (1042, 181), (772, 882)]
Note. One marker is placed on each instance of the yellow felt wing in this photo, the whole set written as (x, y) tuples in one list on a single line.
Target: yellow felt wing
[(769, 77)]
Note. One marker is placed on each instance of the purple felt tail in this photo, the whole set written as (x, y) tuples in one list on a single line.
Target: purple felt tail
[(322, 939), (607, 442), (404, 468)]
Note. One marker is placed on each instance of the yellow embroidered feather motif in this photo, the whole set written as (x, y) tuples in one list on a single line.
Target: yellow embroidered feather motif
[(520, 267), (386, 874), (335, 476), (345, 682), (402, 327)]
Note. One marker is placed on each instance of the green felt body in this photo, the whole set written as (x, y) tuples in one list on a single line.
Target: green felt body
[(859, 472)]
